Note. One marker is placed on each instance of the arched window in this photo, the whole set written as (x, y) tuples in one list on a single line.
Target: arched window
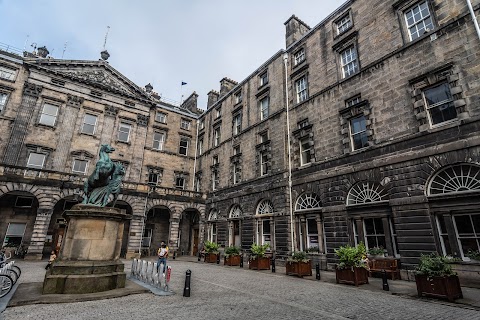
[(366, 192), (308, 201), (265, 207), (212, 225), (456, 178), (213, 215), (236, 211)]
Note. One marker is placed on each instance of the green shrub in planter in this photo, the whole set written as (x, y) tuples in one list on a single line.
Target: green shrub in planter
[(211, 247), (352, 257), (434, 265), (232, 251), (299, 256), (376, 251), (259, 250), (312, 250), (473, 255)]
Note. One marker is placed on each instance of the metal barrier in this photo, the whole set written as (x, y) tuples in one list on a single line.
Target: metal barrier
[(149, 273)]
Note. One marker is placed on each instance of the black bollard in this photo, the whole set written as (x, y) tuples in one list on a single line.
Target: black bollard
[(199, 255), (273, 265), (174, 254), (218, 258), (186, 289), (317, 271), (385, 281), (241, 261)]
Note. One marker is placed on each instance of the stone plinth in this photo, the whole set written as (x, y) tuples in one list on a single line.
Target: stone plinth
[(88, 260)]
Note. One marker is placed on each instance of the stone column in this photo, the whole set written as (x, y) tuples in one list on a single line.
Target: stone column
[(175, 233), (135, 235), (138, 149), (321, 244), (231, 233), (40, 228), (20, 126), (272, 233)]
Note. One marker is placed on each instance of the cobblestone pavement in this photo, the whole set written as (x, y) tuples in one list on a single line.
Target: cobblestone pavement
[(219, 292)]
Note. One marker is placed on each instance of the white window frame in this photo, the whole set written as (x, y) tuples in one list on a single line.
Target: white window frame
[(185, 124), (263, 78), (183, 147), (418, 21), (343, 24), (263, 164), (7, 73), (263, 137), (238, 97), (301, 86), (265, 235), (8, 233), (236, 173), (349, 61), (305, 156), (237, 124), (44, 115), (30, 165), (159, 140), (216, 136), (354, 134), (264, 108), (153, 181), (299, 56), (161, 117), (215, 180), (438, 104), (182, 186), (375, 235), (3, 100), (79, 160), (200, 146), (124, 125), (475, 235), (218, 112), (89, 124)]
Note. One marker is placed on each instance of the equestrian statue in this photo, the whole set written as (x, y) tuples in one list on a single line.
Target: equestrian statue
[(105, 180)]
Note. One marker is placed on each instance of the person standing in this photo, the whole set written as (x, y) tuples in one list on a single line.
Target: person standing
[(53, 257), (162, 257)]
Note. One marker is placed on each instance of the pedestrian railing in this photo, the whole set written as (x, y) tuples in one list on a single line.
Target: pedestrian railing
[(149, 273)]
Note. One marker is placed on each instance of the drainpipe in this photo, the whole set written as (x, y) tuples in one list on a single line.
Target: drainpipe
[(292, 225), (474, 18), (144, 218)]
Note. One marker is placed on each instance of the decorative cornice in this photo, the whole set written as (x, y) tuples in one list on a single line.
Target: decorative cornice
[(111, 110), (31, 89), (74, 101)]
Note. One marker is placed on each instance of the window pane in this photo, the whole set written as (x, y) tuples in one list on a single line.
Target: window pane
[(438, 94), (36, 160), (476, 223), (79, 166), (379, 226), (312, 226), (266, 226), (359, 124), (90, 119), (47, 120), (88, 128), (50, 109), (469, 244), (464, 225), (442, 113), (3, 100), (369, 228)]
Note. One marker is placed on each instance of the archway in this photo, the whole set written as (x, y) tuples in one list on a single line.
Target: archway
[(156, 229), (189, 232), (18, 211), (57, 227)]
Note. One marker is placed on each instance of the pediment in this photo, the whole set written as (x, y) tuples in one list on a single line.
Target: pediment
[(98, 74)]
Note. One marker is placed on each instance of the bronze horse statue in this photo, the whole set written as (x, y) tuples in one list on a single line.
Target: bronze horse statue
[(106, 179)]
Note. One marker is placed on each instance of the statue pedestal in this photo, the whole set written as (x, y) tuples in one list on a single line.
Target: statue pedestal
[(88, 260)]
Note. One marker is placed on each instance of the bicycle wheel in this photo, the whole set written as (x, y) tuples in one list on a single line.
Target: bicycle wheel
[(17, 270), (13, 274), (6, 284)]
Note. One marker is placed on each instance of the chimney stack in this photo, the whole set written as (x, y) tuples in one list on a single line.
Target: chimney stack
[(191, 102), (42, 52), (226, 85), (295, 29), (212, 98)]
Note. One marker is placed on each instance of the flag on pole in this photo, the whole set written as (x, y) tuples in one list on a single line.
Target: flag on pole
[(183, 83)]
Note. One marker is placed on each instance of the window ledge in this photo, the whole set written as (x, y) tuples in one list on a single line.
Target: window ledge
[(88, 135), (123, 142), (46, 126)]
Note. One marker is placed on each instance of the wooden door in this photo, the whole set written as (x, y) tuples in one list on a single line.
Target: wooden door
[(195, 241)]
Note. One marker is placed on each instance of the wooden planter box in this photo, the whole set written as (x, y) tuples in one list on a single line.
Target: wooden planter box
[(232, 260), (439, 287), (298, 268), (356, 276), (211, 257), (259, 264)]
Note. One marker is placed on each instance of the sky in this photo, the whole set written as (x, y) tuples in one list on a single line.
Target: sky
[(162, 42)]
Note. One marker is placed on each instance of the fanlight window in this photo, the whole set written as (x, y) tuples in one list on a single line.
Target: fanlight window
[(265, 207), (308, 201), (213, 215), (236, 212), (366, 192), (456, 178)]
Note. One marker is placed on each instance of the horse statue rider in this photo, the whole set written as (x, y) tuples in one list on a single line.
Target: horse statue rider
[(105, 180)]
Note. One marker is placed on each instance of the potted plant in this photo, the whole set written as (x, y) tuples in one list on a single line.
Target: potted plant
[(352, 268), (299, 265), (232, 256), (473, 255), (435, 277), (211, 251), (258, 260), (376, 252)]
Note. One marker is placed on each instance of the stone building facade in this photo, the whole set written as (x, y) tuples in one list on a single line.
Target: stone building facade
[(381, 136), (55, 115)]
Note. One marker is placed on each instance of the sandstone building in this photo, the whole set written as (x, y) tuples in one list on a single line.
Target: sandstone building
[(382, 130), (380, 143)]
